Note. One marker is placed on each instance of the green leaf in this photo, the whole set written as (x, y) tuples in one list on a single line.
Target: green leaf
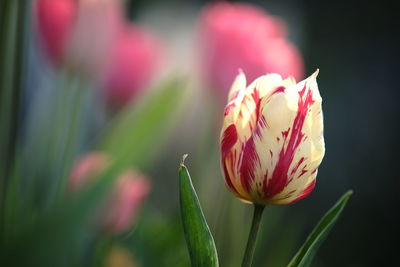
[(307, 252), (137, 133), (198, 236)]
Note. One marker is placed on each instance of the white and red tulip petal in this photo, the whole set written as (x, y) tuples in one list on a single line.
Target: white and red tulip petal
[(272, 142)]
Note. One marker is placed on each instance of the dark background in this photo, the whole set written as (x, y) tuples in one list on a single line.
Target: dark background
[(353, 42)]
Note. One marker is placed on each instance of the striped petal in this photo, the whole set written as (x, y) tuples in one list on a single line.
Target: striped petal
[(272, 141)]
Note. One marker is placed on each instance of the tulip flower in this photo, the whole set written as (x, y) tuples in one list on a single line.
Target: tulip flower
[(122, 204), (79, 34), (272, 139), (129, 193), (54, 20), (96, 28), (135, 59), (238, 35), (93, 38), (86, 168)]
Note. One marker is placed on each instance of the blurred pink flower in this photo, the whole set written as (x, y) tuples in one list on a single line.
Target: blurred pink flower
[(93, 38), (54, 20), (130, 191), (243, 36), (134, 60), (79, 34), (86, 168), (97, 25), (121, 206)]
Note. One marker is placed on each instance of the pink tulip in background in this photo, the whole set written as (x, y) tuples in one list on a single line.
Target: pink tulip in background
[(135, 58), (95, 31), (129, 191), (86, 168), (54, 20), (93, 38), (79, 34), (237, 36)]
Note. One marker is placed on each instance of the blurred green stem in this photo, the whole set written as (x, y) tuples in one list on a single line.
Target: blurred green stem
[(69, 152), (251, 242), (63, 142), (13, 26)]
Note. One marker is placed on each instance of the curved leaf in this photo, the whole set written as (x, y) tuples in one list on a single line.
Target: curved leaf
[(307, 252), (197, 233)]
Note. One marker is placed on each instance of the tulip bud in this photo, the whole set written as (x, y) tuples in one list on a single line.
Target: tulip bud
[(130, 191), (122, 204), (272, 139), (237, 35), (86, 168)]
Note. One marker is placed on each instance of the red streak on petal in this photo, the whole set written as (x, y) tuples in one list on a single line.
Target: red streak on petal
[(280, 89), (285, 134), (228, 108), (256, 98), (229, 139), (280, 177), (261, 124), (303, 171), (294, 170), (290, 193), (257, 101), (227, 177), (305, 192), (235, 95), (249, 160)]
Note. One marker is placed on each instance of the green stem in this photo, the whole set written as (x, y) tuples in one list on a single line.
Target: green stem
[(251, 242), (69, 150), (66, 121)]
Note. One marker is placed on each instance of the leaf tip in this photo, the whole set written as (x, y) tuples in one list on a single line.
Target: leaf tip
[(349, 193), (183, 160)]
